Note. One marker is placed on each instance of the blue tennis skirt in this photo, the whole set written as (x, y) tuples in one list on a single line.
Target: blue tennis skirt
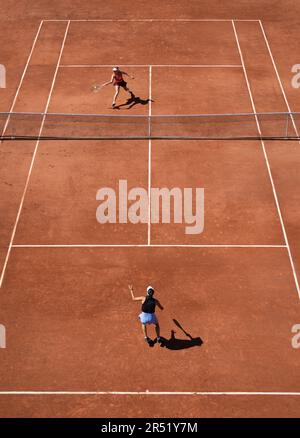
[(148, 318)]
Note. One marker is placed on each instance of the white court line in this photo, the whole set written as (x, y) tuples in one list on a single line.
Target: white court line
[(149, 155), (162, 393), (22, 77), (268, 164), (278, 78), (114, 20), (152, 65), (32, 161), (143, 245)]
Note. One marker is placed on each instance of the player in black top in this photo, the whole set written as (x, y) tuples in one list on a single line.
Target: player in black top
[(147, 316)]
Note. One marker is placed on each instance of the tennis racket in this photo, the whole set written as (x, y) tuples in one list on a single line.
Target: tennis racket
[(96, 88)]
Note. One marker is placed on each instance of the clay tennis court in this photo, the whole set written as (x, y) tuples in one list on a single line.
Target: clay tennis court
[(74, 343)]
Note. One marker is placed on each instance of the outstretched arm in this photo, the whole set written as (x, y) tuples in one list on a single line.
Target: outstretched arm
[(132, 294), (159, 305), (109, 82), (126, 74)]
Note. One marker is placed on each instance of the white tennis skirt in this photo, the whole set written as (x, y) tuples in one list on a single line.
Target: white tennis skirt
[(148, 318)]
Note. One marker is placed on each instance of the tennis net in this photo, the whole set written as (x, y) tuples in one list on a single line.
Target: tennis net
[(54, 126)]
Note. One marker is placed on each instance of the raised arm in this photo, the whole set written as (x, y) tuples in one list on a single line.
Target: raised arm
[(132, 294)]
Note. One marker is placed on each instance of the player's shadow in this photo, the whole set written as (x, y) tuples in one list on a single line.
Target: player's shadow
[(174, 343), (132, 101)]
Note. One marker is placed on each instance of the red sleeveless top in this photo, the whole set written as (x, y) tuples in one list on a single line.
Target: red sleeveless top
[(117, 77)]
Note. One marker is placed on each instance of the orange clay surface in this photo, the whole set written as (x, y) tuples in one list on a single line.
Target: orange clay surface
[(70, 322)]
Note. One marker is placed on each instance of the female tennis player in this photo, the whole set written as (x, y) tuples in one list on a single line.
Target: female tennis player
[(118, 81), (147, 316)]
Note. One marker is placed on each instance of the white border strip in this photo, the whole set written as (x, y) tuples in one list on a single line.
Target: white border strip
[(33, 160), (278, 77), (22, 77), (144, 246), (162, 393), (152, 65), (149, 155), (268, 165), (114, 20)]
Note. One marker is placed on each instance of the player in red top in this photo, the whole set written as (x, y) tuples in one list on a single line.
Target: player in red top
[(118, 81)]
